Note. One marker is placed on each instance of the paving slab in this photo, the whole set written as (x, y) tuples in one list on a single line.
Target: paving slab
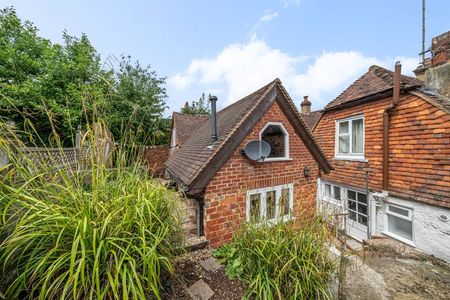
[(200, 291), (211, 264)]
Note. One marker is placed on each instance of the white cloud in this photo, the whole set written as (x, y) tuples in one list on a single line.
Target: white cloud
[(240, 69), (268, 16)]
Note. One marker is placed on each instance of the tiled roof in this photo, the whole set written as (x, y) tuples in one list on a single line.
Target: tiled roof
[(433, 98), (184, 125), (312, 118), (376, 80), (195, 162)]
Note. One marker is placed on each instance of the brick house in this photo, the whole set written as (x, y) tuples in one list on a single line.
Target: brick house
[(388, 139), (227, 187)]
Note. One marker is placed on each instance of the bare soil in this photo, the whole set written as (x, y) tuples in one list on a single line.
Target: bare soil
[(188, 270)]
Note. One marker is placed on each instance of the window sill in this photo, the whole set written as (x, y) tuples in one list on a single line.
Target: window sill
[(349, 158), (399, 238), (277, 159)]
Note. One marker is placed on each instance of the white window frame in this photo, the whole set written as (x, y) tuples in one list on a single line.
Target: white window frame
[(331, 198), (263, 205), (407, 218), (350, 155), (286, 142)]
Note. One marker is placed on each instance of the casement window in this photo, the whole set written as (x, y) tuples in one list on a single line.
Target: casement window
[(277, 136), (270, 204), (399, 222), (332, 193), (350, 138)]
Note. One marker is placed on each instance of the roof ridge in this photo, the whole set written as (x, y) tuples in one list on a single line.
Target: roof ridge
[(376, 80)]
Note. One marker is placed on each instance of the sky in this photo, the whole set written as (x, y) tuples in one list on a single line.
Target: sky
[(231, 48)]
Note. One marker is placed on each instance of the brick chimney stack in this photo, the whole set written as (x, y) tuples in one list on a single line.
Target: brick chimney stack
[(306, 106)]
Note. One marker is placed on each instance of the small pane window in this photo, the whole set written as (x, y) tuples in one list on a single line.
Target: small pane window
[(275, 135), (255, 202), (284, 202), (327, 190), (270, 205), (362, 220), (351, 195), (352, 215), (362, 198), (337, 193)]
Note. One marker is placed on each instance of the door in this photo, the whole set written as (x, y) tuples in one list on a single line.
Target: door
[(357, 214)]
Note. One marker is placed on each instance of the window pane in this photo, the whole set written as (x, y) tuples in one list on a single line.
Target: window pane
[(352, 215), (284, 202), (273, 134), (351, 195), (362, 220), (357, 136), (270, 205), (398, 210), (343, 127), (352, 205), (255, 202), (400, 227), (327, 190), (344, 144), (337, 193), (362, 198), (362, 208)]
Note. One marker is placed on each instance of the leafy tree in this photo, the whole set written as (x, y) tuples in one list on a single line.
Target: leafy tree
[(140, 96), (61, 86), (199, 107)]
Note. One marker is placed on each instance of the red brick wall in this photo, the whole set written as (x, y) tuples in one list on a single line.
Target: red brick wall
[(154, 158), (419, 149), (225, 195), (352, 173)]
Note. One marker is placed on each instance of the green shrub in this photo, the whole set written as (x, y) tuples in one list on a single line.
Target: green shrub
[(281, 261), (91, 232)]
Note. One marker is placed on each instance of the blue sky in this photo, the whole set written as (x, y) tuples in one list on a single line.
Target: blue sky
[(231, 48)]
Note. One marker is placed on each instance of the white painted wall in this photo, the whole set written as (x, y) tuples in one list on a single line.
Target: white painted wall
[(431, 235)]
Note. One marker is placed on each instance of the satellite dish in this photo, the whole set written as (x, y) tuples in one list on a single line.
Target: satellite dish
[(257, 150)]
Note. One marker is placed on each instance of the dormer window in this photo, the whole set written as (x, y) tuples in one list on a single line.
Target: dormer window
[(350, 138), (277, 136)]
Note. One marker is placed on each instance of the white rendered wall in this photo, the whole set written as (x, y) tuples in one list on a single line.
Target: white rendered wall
[(431, 235)]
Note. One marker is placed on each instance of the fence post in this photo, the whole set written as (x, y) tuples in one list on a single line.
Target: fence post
[(4, 156), (78, 144)]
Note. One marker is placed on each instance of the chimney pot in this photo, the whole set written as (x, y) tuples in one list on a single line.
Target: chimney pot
[(305, 105)]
